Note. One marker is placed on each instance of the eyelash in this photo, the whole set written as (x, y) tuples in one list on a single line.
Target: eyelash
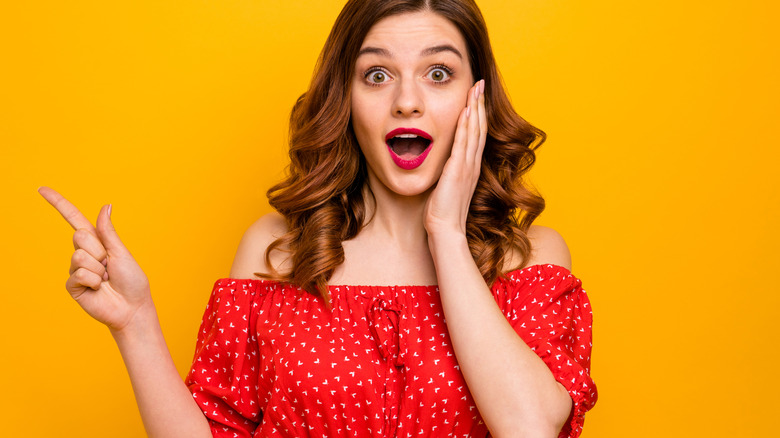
[(446, 69), (443, 67), (371, 71)]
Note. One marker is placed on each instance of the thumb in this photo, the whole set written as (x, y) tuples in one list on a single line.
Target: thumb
[(107, 233)]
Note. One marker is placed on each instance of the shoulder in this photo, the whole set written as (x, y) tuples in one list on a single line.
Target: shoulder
[(547, 247), (250, 256)]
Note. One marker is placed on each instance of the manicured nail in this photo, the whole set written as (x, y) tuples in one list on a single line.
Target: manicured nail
[(109, 211), (476, 92), (468, 111), (482, 86)]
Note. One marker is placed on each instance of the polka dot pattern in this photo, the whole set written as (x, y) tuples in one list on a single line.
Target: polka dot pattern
[(272, 360)]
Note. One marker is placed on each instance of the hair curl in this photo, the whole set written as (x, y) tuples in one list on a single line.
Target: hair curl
[(322, 196)]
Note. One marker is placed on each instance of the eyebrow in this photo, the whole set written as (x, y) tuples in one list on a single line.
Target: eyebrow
[(426, 52), (438, 49)]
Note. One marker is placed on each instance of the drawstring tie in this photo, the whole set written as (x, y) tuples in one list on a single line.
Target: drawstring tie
[(385, 321)]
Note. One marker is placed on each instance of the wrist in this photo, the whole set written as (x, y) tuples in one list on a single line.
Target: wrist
[(139, 324), (445, 231), (448, 242)]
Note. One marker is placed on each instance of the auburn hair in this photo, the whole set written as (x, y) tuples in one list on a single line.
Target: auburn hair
[(322, 196)]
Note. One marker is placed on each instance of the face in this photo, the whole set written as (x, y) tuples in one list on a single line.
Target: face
[(410, 84)]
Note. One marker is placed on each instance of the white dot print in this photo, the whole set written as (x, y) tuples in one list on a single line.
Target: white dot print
[(273, 361)]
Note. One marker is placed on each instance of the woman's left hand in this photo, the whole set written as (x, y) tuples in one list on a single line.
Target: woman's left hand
[(448, 205)]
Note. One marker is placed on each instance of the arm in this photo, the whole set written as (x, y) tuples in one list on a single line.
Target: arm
[(110, 286), (515, 391), (166, 405)]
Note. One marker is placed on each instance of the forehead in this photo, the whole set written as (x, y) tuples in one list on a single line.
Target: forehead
[(412, 32)]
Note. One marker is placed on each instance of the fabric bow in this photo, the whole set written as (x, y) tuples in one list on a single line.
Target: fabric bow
[(385, 320)]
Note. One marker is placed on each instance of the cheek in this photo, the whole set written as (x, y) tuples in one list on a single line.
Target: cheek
[(365, 131), (359, 121), (448, 111)]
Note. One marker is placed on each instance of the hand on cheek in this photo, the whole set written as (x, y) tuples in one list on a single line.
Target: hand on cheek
[(448, 205)]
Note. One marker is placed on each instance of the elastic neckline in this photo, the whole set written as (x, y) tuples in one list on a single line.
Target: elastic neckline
[(429, 286)]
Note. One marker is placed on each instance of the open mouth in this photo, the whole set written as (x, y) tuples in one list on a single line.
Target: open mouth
[(408, 146)]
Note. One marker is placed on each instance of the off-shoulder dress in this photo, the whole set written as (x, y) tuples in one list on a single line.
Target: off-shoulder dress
[(274, 361)]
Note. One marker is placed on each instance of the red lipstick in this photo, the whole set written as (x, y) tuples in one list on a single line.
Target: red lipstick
[(408, 147)]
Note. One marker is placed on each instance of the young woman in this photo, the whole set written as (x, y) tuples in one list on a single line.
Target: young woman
[(400, 290)]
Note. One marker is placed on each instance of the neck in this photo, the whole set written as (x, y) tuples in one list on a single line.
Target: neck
[(392, 248), (396, 217)]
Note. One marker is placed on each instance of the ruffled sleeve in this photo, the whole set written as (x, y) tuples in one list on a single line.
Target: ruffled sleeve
[(224, 373), (548, 308)]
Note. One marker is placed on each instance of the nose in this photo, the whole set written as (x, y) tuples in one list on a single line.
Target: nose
[(408, 101)]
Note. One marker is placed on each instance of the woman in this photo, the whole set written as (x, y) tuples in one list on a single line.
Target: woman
[(406, 159)]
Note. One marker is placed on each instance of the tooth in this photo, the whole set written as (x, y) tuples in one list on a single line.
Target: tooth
[(406, 136)]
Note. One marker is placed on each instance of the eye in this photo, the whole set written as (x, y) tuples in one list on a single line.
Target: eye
[(376, 76), (440, 74)]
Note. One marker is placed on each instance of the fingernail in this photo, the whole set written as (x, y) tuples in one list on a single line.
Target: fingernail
[(482, 86), (476, 92), (468, 111), (109, 210)]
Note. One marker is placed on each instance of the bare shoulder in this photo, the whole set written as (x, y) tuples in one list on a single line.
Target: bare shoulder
[(548, 247), (250, 257)]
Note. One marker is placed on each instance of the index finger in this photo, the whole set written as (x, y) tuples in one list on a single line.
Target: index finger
[(66, 209), (483, 124)]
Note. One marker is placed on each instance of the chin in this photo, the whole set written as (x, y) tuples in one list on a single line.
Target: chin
[(410, 185)]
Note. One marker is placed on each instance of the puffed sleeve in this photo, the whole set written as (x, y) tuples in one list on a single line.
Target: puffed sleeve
[(223, 377), (548, 308)]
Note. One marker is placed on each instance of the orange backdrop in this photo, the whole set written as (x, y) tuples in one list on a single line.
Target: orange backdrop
[(660, 170)]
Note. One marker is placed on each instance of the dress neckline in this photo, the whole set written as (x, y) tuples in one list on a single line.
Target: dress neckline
[(421, 286)]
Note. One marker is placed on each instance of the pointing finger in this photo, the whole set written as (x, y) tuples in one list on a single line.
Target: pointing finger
[(66, 209)]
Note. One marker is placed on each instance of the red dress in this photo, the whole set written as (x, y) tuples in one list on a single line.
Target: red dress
[(273, 361)]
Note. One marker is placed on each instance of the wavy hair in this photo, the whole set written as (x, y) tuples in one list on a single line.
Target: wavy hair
[(322, 196)]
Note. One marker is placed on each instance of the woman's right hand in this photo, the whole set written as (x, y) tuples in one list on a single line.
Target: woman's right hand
[(104, 278)]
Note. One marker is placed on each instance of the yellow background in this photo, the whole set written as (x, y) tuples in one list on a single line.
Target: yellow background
[(660, 170)]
